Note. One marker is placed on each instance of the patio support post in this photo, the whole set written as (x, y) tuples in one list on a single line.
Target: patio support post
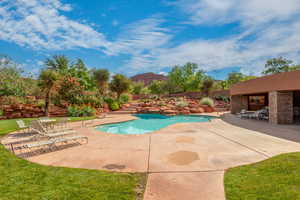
[(281, 107)]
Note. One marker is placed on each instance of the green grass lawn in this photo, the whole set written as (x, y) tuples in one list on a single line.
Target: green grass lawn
[(20, 179), (277, 178), (23, 180), (10, 125)]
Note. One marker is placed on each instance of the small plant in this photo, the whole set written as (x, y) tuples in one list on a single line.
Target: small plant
[(207, 101), (88, 111), (10, 100), (124, 98), (223, 98), (161, 103), (181, 103), (114, 106), (108, 100), (75, 111), (92, 100), (41, 103), (1, 112)]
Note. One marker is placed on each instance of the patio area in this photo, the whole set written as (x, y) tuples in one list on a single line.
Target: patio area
[(183, 161)]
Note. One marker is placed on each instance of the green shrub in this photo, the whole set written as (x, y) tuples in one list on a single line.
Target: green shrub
[(56, 101), (108, 100), (93, 100), (161, 103), (124, 98), (222, 98), (76, 111), (145, 90), (207, 101), (88, 111), (41, 103), (9, 100), (114, 106), (1, 112), (181, 103)]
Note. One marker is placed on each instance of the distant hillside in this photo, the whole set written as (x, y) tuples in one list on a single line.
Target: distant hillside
[(147, 78)]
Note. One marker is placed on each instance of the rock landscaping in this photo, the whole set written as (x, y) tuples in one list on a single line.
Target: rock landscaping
[(173, 106), (29, 111)]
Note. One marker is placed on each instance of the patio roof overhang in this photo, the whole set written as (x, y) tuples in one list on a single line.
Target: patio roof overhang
[(286, 81)]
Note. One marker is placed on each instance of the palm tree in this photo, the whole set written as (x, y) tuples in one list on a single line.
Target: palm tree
[(48, 79), (59, 63), (102, 76)]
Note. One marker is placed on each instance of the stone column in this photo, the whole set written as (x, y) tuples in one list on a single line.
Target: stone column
[(281, 107), (238, 103)]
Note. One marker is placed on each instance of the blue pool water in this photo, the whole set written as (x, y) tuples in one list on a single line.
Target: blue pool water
[(150, 122)]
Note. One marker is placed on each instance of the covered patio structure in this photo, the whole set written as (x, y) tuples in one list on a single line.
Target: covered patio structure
[(279, 92)]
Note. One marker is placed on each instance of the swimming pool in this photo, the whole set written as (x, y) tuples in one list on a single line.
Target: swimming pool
[(150, 122)]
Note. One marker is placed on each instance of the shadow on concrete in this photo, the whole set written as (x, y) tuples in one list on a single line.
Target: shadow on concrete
[(287, 132)]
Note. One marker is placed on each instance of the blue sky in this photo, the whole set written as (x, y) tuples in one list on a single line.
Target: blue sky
[(131, 36)]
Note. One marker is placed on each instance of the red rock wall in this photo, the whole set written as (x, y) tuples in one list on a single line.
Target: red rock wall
[(29, 111), (191, 95)]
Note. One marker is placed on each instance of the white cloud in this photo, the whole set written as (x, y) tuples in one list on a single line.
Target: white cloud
[(272, 25), (40, 63), (140, 36), (249, 12), (40, 25)]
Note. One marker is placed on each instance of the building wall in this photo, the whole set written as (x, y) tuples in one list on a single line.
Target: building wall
[(238, 103), (288, 81), (281, 107)]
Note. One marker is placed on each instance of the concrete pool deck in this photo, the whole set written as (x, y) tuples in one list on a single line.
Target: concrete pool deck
[(183, 161)]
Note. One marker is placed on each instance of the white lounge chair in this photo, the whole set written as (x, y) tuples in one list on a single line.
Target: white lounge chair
[(62, 123), (22, 125), (51, 143), (41, 130), (48, 139)]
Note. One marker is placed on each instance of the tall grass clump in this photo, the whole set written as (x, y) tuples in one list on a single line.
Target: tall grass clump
[(207, 101)]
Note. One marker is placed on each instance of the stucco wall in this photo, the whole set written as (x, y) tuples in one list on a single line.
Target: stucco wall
[(278, 82), (238, 103)]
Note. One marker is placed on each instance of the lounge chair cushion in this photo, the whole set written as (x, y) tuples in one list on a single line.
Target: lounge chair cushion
[(39, 144), (57, 134), (68, 139)]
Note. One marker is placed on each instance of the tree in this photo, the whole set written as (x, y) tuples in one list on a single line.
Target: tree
[(101, 77), (223, 85), (185, 78), (278, 65), (235, 77), (70, 89), (82, 74), (207, 85), (59, 63), (119, 84), (246, 78), (156, 87), (11, 81), (294, 67), (137, 88), (48, 79)]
